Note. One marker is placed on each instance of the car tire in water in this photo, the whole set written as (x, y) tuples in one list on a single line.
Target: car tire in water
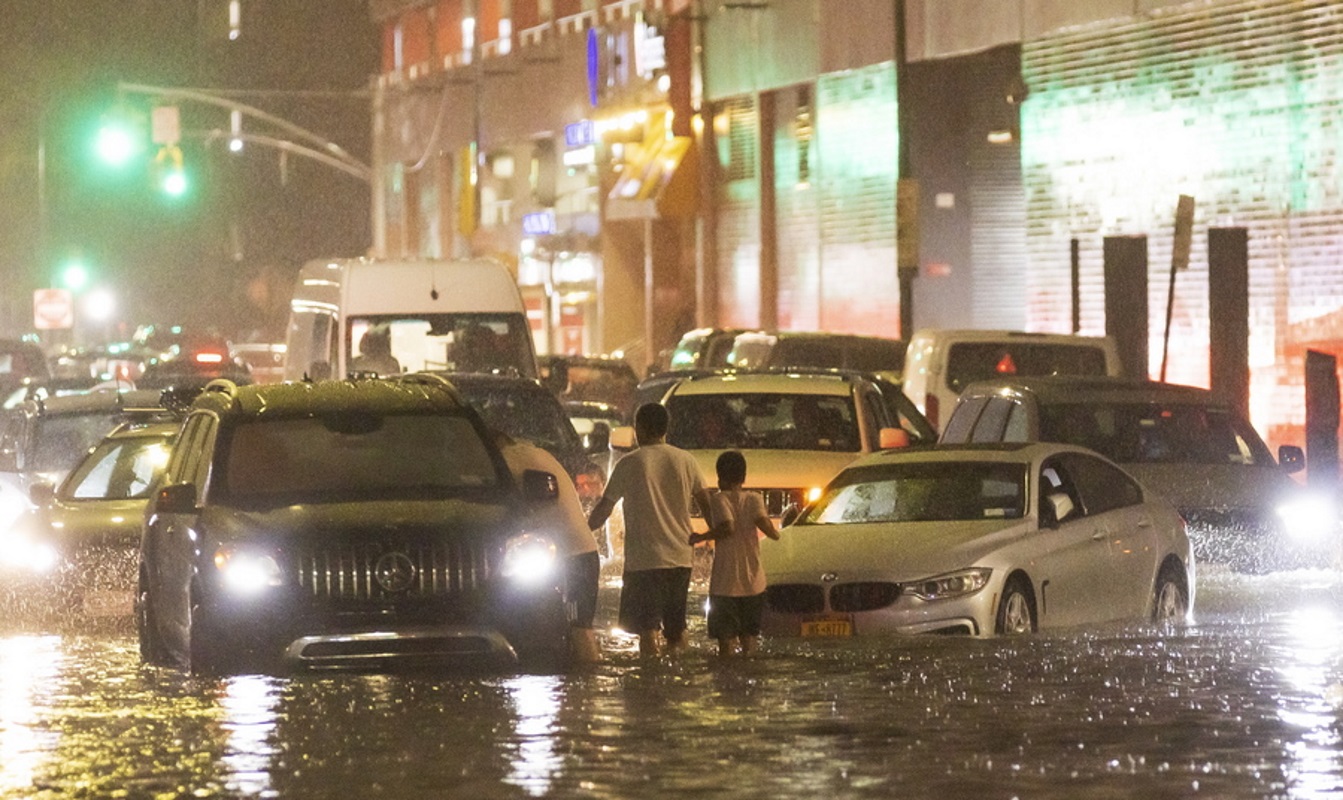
[(1016, 611), (152, 650), (1170, 601)]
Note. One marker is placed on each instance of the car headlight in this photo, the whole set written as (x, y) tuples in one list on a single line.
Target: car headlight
[(953, 584), (530, 559), (247, 573), (1308, 517), (25, 555)]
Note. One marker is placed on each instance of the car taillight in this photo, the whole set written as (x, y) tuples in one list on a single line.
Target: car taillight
[(209, 358), (930, 409)]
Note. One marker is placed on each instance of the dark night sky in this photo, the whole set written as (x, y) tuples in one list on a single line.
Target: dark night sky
[(224, 256)]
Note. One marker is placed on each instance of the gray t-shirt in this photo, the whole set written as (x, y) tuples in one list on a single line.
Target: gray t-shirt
[(656, 484)]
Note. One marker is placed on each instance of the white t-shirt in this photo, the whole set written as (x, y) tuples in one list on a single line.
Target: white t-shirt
[(656, 484), (736, 557)]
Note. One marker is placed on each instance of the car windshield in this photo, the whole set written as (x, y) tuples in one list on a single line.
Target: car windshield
[(61, 441), (938, 491), (120, 469), (535, 416), (976, 361), (1155, 433), (354, 456), (764, 421)]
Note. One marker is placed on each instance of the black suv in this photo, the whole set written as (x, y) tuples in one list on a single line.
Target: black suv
[(345, 524)]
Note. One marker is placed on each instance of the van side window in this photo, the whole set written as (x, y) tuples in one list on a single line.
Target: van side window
[(963, 420), (992, 421)]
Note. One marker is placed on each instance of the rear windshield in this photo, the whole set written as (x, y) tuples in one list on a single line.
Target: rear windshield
[(474, 342), (62, 440), (976, 361), (354, 456), (764, 421), (1148, 433)]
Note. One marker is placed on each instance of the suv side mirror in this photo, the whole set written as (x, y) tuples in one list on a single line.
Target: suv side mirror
[(1292, 458), (790, 514), (539, 485), (42, 493), (178, 498), (894, 438)]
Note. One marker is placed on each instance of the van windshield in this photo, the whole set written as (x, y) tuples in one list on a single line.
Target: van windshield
[(968, 362), (468, 342)]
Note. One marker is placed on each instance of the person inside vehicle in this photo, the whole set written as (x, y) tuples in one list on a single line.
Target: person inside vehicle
[(375, 354)]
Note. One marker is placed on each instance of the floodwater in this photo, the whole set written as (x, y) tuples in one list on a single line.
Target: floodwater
[(1245, 703)]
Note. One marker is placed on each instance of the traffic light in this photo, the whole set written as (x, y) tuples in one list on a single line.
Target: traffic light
[(74, 275), (118, 141), (170, 173)]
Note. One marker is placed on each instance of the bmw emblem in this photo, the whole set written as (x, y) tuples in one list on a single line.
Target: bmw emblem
[(394, 572), (829, 577)]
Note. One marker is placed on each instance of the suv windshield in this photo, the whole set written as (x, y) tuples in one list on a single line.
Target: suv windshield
[(354, 456), (977, 361), (121, 469), (949, 490), (764, 422), (1139, 433)]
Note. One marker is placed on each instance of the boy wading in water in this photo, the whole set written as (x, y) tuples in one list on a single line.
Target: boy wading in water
[(737, 583)]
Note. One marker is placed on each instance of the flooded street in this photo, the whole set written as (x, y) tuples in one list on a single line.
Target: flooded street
[(1247, 702)]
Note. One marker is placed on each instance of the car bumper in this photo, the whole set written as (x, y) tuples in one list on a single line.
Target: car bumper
[(906, 615)]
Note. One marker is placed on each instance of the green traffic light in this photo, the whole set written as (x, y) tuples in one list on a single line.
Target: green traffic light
[(74, 276), (175, 183), (116, 144)]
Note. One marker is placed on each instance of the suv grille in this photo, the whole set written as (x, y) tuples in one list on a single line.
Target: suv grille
[(385, 570)]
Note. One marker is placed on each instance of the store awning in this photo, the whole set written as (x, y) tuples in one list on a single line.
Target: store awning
[(658, 180)]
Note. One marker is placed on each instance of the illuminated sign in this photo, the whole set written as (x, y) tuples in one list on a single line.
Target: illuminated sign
[(580, 134), (539, 223)]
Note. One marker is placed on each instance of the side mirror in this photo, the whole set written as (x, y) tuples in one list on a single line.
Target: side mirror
[(42, 493), (599, 438), (1292, 458), (894, 438), (179, 498), (539, 485), (790, 514), (622, 438)]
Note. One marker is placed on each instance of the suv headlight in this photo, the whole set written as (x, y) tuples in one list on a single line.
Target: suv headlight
[(26, 555), (953, 584), (1308, 517), (530, 558), (245, 572)]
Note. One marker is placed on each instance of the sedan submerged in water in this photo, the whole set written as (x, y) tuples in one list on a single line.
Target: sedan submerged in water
[(978, 540)]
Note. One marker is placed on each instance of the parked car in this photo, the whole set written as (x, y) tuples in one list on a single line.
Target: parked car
[(43, 438), (1243, 508), (76, 552), (193, 362), (703, 348), (939, 363), (524, 409), (783, 349), (22, 363), (264, 360), (364, 524), (592, 379), (594, 422), (978, 540)]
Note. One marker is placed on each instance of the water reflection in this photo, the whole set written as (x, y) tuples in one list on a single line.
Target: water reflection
[(1310, 663), (28, 670), (536, 761), (248, 716)]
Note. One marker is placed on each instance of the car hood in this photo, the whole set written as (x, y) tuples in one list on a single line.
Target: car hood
[(380, 518), (779, 469), (1214, 486), (901, 551), (97, 521)]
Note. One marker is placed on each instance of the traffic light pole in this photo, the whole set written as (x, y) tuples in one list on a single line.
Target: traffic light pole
[(323, 150)]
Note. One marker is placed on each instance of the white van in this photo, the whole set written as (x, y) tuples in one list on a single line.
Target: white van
[(353, 315), (940, 363)]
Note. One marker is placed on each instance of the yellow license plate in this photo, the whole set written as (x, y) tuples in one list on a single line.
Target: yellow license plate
[(827, 627)]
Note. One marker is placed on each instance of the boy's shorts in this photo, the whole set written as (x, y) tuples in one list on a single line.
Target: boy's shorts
[(655, 598), (735, 616), (582, 573)]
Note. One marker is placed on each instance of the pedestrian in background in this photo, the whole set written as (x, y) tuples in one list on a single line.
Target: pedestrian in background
[(737, 582), (656, 483)]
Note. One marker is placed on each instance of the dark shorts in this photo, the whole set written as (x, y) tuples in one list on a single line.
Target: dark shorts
[(582, 572), (735, 616), (655, 598)]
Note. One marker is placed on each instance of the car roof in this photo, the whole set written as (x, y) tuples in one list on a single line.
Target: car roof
[(1062, 389), (415, 393), (784, 382), (491, 380), (91, 402)]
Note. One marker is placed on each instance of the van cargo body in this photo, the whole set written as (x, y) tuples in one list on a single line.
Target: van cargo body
[(359, 315)]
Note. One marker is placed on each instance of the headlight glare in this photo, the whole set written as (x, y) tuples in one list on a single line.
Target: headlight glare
[(1308, 516), (953, 584), (28, 556), (530, 558), (247, 573)]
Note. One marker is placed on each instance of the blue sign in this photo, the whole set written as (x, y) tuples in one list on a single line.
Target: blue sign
[(579, 134), (539, 223), (594, 66)]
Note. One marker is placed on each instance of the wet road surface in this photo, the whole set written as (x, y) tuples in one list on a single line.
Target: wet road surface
[(1245, 703)]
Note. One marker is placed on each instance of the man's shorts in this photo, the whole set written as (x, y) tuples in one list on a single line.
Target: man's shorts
[(582, 573), (655, 598), (735, 616)]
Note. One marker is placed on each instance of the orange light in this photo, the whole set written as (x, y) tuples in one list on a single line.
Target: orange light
[(1006, 365)]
